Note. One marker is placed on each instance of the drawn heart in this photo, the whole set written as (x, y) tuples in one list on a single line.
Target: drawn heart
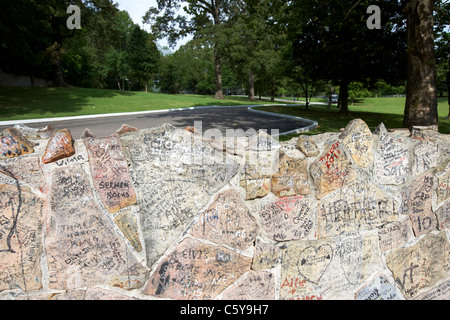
[(313, 262)]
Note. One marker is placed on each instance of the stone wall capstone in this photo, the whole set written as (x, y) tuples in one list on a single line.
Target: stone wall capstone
[(164, 213)]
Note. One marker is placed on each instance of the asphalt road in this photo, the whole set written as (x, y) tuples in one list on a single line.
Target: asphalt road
[(221, 118)]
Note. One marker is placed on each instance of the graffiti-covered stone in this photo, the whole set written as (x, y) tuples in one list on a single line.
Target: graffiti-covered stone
[(177, 173), (443, 216), (254, 285), (60, 145), (288, 218), (227, 221), (358, 139), (307, 145), (82, 247), (326, 269), (26, 170), (440, 292), (195, 270), (417, 204), (256, 177), (291, 178), (109, 170), (33, 133), (21, 222), (262, 141), (127, 223), (443, 187), (14, 144), (427, 155), (332, 170), (420, 266), (380, 288), (391, 160), (355, 207), (267, 255), (395, 234)]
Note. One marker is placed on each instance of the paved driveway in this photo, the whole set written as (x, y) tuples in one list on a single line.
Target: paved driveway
[(221, 118)]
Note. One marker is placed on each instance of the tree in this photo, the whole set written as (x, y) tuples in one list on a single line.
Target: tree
[(143, 56), (333, 38), (206, 18), (421, 92), (442, 41)]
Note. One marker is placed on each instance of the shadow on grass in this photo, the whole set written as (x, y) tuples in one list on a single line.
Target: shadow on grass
[(17, 101)]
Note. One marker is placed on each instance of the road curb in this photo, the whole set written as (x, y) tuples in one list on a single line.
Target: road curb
[(311, 126)]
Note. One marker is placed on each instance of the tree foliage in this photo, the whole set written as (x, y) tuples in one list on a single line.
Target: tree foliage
[(35, 41)]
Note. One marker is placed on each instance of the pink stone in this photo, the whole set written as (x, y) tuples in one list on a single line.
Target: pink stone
[(125, 128), (14, 144), (60, 145), (109, 169)]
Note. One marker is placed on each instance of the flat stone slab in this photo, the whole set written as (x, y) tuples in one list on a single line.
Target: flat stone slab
[(195, 270), (82, 247), (443, 216), (21, 222), (289, 218), (443, 188), (417, 204), (177, 174), (326, 269), (355, 207), (395, 234), (256, 177), (267, 255), (109, 170), (227, 221), (380, 288), (391, 160), (420, 266), (254, 285)]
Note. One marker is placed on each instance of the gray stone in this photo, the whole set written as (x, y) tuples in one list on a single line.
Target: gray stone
[(82, 247), (177, 173)]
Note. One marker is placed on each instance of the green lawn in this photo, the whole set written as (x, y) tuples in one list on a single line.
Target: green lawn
[(18, 103), (371, 110)]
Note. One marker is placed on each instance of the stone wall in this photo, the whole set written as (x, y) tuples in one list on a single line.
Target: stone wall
[(163, 213)]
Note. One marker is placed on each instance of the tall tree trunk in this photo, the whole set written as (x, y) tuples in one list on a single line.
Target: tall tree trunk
[(343, 96), (448, 89), (421, 93), (251, 86), (217, 57), (307, 95), (218, 73), (59, 75)]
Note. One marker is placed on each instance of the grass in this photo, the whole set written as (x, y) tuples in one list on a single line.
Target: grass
[(371, 110), (19, 103)]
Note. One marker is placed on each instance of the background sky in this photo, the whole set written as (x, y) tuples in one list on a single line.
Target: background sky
[(137, 9)]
